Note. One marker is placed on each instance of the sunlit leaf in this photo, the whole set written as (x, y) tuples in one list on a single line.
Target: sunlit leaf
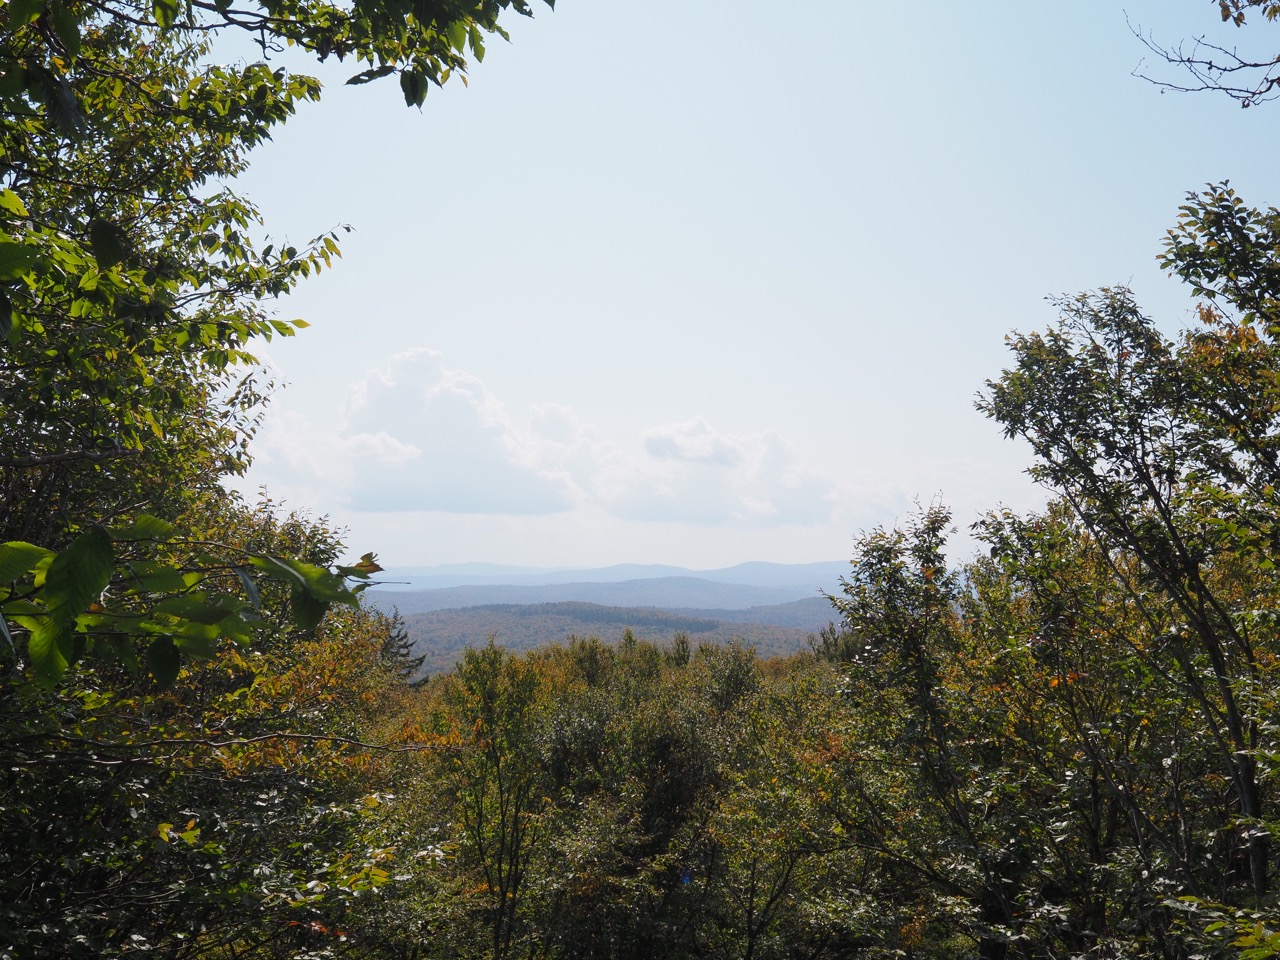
[(16, 259), (18, 558), (78, 575), (166, 11)]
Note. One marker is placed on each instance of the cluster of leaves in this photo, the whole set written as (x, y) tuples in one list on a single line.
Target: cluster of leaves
[(110, 589), (130, 295)]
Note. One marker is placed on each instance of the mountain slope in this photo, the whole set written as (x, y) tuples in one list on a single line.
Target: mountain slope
[(441, 635), (664, 592), (808, 577)]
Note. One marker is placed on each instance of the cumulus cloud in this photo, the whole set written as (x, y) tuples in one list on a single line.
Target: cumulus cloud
[(694, 441), (416, 436), (694, 473)]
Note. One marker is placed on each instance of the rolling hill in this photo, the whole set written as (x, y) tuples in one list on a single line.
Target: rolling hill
[(441, 635), (775, 607)]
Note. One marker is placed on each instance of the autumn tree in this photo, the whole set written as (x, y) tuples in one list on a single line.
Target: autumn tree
[(1165, 454), (224, 815)]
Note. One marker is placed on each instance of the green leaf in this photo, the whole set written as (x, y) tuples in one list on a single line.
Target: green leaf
[(308, 599), (13, 80), (67, 26), (250, 588), (145, 527), (16, 259), (316, 581), (457, 31), (59, 100), (166, 12), (195, 608), (274, 567), (108, 242), (126, 652), (163, 661), (17, 558), (198, 641), (24, 11), (307, 610), (20, 610), (235, 628), (47, 648), (477, 43), (11, 203), (6, 316), (365, 76), (414, 87), (78, 575), (153, 577)]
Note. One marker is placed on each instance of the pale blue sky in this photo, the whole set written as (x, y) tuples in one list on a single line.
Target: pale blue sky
[(699, 282)]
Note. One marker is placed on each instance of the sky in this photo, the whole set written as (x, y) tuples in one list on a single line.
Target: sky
[(700, 283)]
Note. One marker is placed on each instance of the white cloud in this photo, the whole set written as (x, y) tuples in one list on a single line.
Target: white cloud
[(415, 438), (693, 440), (418, 436), (693, 473)]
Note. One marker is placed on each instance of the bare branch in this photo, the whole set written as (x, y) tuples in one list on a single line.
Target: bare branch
[(1213, 67)]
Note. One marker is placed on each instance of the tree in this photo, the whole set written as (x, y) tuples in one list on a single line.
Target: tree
[(131, 291), (931, 793), (1016, 770), (495, 786), (631, 759), (1167, 454), (1127, 810), (788, 881), (224, 815), (130, 294), (209, 808)]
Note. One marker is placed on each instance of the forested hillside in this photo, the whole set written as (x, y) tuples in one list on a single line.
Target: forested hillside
[(439, 637), (214, 748), (665, 592)]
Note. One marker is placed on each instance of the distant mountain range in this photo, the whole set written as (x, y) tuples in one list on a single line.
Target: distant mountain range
[(773, 606), (664, 592), (808, 578)]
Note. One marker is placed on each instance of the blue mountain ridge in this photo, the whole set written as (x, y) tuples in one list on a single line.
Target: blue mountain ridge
[(806, 578)]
